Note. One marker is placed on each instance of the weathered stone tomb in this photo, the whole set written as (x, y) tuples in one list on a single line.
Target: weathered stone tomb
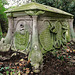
[(36, 29)]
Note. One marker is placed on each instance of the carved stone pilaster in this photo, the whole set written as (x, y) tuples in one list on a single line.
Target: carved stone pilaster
[(35, 56), (5, 43), (35, 32), (10, 30)]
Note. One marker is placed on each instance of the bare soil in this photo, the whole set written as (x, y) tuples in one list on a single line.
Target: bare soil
[(52, 65)]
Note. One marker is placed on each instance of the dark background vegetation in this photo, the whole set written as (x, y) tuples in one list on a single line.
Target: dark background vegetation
[(3, 18)]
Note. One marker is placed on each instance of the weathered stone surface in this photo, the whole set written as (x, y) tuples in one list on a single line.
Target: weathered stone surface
[(35, 56), (36, 59), (33, 6), (4, 46), (34, 13), (46, 36), (22, 37), (72, 33)]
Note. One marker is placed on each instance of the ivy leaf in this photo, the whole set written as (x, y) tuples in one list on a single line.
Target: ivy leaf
[(1, 74), (12, 69), (7, 72), (6, 68)]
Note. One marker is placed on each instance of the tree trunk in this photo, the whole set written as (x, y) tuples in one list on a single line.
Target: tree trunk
[(0, 32)]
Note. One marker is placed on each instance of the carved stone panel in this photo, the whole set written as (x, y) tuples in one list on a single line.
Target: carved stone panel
[(22, 36), (53, 34), (45, 37)]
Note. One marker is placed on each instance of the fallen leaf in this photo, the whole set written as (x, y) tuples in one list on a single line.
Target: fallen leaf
[(22, 60), (31, 72), (10, 73), (70, 51), (17, 67), (28, 61), (26, 57), (16, 63), (6, 68), (7, 72), (20, 64), (1, 63), (27, 71), (27, 68), (67, 50), (13, 67), (74, 51)]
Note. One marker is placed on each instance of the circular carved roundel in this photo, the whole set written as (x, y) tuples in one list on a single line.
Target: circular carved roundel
[(21, 27)]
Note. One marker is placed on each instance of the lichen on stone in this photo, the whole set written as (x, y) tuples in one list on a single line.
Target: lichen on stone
[(35, 12), (56, 30), (4, 46), (46, 39), (21, 40), (37, 6), (65, 32), (55, 35), (36, 58)]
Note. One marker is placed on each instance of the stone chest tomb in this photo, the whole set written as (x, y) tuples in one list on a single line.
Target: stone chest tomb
[(36, 29)]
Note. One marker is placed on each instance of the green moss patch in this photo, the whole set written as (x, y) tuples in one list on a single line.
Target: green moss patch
[(46, 39), (21, 41)]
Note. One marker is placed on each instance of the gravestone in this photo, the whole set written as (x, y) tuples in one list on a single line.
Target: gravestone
[(36, 29)]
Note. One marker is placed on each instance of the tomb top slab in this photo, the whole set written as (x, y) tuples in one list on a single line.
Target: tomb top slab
[(36, 6)]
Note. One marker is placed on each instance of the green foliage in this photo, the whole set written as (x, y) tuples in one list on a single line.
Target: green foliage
[(6, 68), (3, 18), (1, 74), (7, 72), (4, 2), (65, 5)]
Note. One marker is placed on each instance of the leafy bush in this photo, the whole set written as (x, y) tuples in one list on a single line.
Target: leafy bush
[(3, 18)]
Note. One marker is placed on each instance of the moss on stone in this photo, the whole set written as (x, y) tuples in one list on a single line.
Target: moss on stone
[(21, 41), (46, 39), (65, 32), (68, 36), (56, 30), (37, 6), (54, 35), (36, 58), (32, 13), (42, 49)]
